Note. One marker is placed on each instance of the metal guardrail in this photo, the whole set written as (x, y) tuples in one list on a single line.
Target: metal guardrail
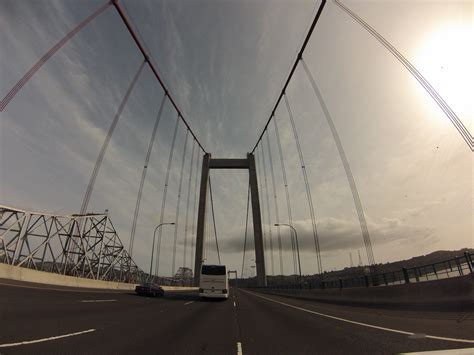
[(455, 267)]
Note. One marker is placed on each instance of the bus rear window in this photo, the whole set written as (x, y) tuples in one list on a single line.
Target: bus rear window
[(213, 270)]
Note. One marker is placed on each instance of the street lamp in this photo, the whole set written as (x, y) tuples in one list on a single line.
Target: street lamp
[(297, 245), (153, 246)]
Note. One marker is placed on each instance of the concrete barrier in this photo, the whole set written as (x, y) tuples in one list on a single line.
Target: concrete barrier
[(41, 277), (450, 294)]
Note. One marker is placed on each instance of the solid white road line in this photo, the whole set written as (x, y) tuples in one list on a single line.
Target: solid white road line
[(360, 323), (188, 303), (450, 351), (96, 301), (46, 339), (239, 349)]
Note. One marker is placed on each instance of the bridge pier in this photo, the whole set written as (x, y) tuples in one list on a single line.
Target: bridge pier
[(249, 164)]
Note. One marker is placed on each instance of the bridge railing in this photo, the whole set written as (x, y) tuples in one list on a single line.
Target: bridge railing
[(455, 267)]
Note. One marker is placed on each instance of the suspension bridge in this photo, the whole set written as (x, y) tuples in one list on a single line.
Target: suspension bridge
[(280, 309)]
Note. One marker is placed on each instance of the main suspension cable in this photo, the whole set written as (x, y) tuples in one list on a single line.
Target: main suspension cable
[(142, 180), (308, 189)]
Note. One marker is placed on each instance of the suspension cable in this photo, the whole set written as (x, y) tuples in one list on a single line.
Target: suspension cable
[(347, 168), (298, 58), (105, 144), (287, 194), (196, 194), (214, 220), (308, 190), (275, 199), (176, 219), (458, 124), (269, 220), (163, 202), (144, 171), (246, 231), (17, 87), (188, 198)]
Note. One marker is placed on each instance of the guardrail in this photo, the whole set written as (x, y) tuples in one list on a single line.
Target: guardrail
[(458, 266)]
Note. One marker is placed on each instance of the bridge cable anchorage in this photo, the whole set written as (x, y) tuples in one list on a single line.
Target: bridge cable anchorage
[(345, 163), (260, 197), (287, 194), (188, 198), (163, 202), (214, 220), (275, 199), (246, 231), (149, 59), (458, 124), (308, 189), (105, 144), (292, 71), (176, 219), (29, 74), (196, 193), (269, 220), (144, 171)]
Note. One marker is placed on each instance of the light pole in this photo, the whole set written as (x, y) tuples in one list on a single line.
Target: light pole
[(153, 246), (297, 245)]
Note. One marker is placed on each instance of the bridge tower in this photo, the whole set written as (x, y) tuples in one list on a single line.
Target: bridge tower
[(249, 164)]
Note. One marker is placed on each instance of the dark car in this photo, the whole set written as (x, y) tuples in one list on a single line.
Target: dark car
[(149, 289)]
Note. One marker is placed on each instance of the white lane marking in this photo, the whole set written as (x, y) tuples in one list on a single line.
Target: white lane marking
[(65, 289), (46, 339), (450, 351), (188, 303), (239, 349), (234, 303), (360, 323), (96, 301)]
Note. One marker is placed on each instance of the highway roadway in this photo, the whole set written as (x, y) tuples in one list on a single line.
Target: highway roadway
[(38, 319)]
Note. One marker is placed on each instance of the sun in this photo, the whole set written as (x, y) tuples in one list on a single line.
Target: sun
[(446, 60)]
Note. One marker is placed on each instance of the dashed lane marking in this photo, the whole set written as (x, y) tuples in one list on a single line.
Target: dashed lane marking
[(239, 349), (188, 303), (96, 301), (471, 341), (46, 339)]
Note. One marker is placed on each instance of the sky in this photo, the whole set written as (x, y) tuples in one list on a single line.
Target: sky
[(225, 63)]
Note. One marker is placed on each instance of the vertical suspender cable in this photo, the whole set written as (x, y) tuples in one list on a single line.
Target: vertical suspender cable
[(246, 231), (196, 193), (17, 87), (188, 198), (308, 190), (144, 171), (458, 124), (214, 220), (105, 144), (269, 220), (347, 168), (287, 194), (176, 218), (275, 199), (163, 202)]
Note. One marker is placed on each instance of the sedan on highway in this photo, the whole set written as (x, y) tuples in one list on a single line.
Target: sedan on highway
[(149, 289)]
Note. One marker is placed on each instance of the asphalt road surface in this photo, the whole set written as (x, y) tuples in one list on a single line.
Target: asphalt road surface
[(38, 319)]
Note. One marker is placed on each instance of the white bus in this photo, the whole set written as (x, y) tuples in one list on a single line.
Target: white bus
[(213, 282)]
